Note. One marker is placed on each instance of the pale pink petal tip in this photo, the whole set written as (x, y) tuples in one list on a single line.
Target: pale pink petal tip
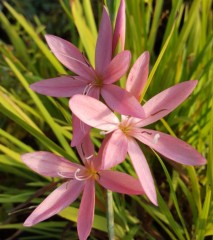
[(120, 27), (138, 75), (28, 224)]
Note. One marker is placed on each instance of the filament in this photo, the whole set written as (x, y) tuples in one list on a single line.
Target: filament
[(80, 178)]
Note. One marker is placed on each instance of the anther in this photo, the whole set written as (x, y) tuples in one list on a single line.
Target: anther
[(87, 158), (156, 138)]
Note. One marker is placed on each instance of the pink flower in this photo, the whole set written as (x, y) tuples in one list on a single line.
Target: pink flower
[(97, 81), (122, 135), (78, 178)]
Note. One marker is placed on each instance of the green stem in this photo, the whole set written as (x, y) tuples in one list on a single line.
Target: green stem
[(110, 215)]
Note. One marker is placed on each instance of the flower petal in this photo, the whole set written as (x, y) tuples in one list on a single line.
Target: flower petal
[(86, 148), (117, 67), (166, 101), (142, 169), (48, 164), (60, 198), (86, 210), (93, 112), (115, 150), (138, 75), (70, 56), (66, 86), (171, 147), (80, 130), (122, 101), (120, 28), (120, 182), (103, 53), (98, 160)]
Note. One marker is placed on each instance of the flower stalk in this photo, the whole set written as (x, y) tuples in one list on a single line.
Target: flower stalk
[(110, 215)]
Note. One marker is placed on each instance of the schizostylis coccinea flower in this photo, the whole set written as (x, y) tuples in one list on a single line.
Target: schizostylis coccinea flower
[(122, 135), (79, 178), (93, 81)]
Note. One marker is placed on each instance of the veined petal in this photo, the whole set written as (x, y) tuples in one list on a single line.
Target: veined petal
[(171, 147), (104, 43), (166, 101), (86, 210), (142, 169), (117, 67), (48, 164), (120, 28), (65, 86), (122, 101), (86, 149), (115, 150), (98, 161), (93, 112), (60, 198), (120, 182), (138, 75), (70, 56), (80, 130)]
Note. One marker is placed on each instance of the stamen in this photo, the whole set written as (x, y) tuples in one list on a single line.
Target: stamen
[(87, 89), (85, 59), (106, 132), (146, 132), (156, 138), (65, 174), (80, 178), (87, 158), (152, 114)]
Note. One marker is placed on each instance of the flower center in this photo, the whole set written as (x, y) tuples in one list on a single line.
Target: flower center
[(83, 175), (97, 82), (126, 127)]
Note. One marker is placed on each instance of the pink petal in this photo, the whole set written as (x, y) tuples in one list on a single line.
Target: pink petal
[(171, 147), (48, 164), (86, 148), (122, 101), (86, 210), (115, 150), (93, 112), (142, 169), (165, 102), (66, 86), (80, 130), (138, 75), (104, 43), (98, 161), (120, 182), (117, 67), (120, 28), (60, 198), (70, 56)]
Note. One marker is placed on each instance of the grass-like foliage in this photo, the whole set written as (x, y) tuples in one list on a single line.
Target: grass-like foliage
[(179, 37)]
